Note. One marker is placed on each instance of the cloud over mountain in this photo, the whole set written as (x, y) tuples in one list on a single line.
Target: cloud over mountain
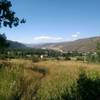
[(45, 38)]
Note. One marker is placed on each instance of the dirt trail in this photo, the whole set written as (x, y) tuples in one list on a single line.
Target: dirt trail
[(33, 79)]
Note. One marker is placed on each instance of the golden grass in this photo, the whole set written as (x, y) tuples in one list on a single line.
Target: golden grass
[(60, 74)]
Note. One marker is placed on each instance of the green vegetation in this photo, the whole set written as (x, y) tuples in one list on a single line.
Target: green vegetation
[(10, 82), (7, 19), (42, 74), (45, 74), (94, 57), (49, 80), (88, 87), (49, 75)]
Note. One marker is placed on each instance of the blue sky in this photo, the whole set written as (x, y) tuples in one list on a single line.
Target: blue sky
[(55, 20)]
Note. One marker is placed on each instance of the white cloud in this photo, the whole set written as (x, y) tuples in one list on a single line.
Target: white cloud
[(41, 38), (47, 38), (76, 35)]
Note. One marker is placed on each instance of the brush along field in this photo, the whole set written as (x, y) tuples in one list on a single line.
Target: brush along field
[(45, 80)]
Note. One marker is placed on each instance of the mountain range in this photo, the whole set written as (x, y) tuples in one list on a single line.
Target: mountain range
[(81, 45)]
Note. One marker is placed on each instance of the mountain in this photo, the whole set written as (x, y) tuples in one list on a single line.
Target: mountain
[(14, 44), (81, 45)]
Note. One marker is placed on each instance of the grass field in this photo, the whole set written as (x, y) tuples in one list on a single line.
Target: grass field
[(49, 80)]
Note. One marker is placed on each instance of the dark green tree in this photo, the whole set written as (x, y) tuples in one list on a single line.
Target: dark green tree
[(98, 51), (3, 41), (7, 18)]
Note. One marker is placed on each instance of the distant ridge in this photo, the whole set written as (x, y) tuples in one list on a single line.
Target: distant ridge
[(15, 44), (81, 45)]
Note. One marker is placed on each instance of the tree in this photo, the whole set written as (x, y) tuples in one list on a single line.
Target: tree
[(7, 18), (3, 42), (98, 51)]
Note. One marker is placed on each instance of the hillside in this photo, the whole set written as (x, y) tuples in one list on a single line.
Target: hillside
[(81, 45), (14, 44)]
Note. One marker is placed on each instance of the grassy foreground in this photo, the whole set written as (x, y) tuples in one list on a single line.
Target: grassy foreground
[(49, 80)]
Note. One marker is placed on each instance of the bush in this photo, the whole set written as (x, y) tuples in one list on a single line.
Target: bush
[(3, 56), (35, 59), (88, 89), (67, 58), (80, 59)]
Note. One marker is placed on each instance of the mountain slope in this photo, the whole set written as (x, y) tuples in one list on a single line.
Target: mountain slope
[(81, 45), (14, 44)]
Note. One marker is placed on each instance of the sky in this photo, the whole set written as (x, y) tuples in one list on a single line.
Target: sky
[(55, 20)]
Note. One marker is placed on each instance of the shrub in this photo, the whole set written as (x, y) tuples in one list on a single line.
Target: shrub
[(67, 58), (35, 59), (88, 89), (80, 59)]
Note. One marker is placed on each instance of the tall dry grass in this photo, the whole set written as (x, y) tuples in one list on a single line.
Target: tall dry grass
[(46, 80)]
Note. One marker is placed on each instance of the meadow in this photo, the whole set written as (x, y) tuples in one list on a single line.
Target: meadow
[(49, 80), (48, 65)]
